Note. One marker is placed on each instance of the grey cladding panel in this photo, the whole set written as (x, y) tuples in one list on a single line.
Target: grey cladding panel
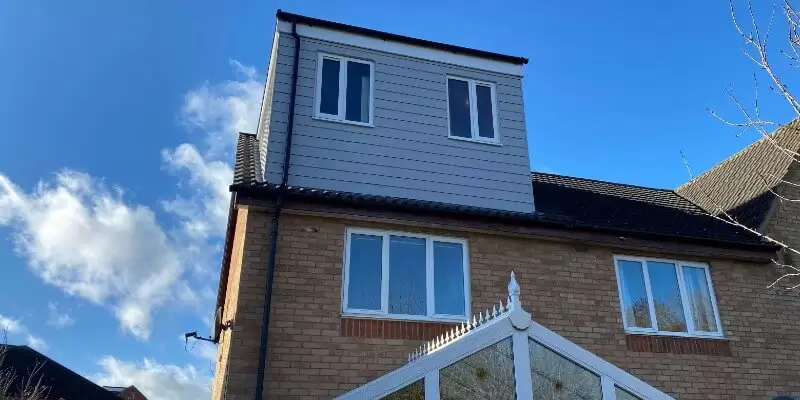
[(407, 153)]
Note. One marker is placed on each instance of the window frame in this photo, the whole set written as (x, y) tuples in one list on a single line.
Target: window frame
[(383, 313), (473, 110), (342, 100), (687, 312)]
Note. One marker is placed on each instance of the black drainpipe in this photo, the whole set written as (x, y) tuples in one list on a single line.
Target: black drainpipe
[(273, 228)]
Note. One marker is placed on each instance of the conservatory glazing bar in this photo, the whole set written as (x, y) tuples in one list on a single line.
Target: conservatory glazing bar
[(503, 354)]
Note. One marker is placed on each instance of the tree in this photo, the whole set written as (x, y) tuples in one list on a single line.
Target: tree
[(773, 62), (19, 385)]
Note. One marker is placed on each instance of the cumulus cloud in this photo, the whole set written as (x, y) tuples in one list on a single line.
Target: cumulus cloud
[(154, 380), (83, 237), (14, 327), (58, 318)]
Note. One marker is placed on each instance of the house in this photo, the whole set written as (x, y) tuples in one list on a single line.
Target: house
[(387, 197), (23, 370), (126, 392)]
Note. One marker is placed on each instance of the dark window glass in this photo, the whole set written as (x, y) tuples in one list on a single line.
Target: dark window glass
[(364, 279), (485, 116), (458, 98), (329, 91), (358, 81)]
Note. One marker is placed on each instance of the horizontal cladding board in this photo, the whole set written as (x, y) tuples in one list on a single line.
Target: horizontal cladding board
[(404, 178), (384, 190)]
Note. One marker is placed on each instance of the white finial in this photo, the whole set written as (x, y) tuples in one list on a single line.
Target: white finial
[(513, 292)]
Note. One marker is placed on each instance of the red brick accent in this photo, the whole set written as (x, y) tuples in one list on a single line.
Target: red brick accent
[(389, 329), (677, 345)]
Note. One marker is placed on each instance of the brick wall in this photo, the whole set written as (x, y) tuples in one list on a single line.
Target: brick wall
[(569, 290), (784, 222)]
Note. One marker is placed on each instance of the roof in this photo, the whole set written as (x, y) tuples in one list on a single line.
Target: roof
[(63, 383), (561, 201), (742, 184), (399, 38)]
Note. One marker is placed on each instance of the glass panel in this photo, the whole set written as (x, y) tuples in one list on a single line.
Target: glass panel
[(485, 117), (634, 294), (666, 296), (699, 299), (364, 275), (407, 292), (448, 278), (557, 378), (487, 374), (329, 92), (357, 96), (458, 98), (414, 391), (624, 395)]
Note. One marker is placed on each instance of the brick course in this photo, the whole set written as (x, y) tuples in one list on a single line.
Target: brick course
[(571, 290)]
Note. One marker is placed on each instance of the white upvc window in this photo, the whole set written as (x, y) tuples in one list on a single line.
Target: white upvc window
[(472, 110), (667, 297), (405, 276), (344, 89)]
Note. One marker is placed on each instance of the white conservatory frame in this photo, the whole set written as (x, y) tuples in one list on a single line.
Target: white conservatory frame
[(485, 329)]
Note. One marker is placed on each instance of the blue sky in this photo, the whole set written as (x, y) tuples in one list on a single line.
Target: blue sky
[(117, 122)]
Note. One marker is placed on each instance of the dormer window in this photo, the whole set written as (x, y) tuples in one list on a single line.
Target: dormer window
[(472, 114), (344, 89)]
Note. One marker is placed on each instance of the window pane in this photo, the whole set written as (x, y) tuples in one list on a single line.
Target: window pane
[(666, 296), (624, 395), (634, 295), (414, 391), (329, 92), (458, 98), (407, 292), (485, 117), (487, 374), (557, 378), (448, 278), (357, 96), (364, 275), (699, 299)]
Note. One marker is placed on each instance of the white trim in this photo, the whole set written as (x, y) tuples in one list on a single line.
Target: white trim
[(403, 49), (687, 312), (607, 386), (522, 363), (340, 116), (432, 384), (430, 305), (473, 110)]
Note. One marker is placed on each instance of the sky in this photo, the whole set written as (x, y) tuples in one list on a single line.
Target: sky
[(118, 120)]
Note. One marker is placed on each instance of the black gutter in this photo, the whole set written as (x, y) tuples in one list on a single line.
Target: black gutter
[(273, 229), (302, 19)]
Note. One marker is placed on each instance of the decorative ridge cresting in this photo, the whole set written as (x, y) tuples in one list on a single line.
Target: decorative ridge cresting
[(478, 321)]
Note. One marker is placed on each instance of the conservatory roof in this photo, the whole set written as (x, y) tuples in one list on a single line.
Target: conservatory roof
[(503, 354)]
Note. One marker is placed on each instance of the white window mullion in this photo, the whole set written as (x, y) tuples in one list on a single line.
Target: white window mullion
[(342, 87), (473, 109), (650, 302), (432, 384), (713, 296), (429, 277), (385, 274), (607, 384), (522, 365), (687, 311)]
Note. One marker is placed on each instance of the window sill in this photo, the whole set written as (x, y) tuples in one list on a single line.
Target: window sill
[(676, 334), (677, 345), (392, 329), (489, 142), (407, 318), (343, 121)]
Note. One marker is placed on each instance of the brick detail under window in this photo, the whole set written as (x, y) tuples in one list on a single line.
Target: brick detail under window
[(677, 345), (388, 329)]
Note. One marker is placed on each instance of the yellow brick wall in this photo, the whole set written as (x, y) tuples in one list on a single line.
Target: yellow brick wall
[(569, 290), (784, 222)]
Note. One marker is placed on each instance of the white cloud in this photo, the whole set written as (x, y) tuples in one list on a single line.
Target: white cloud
[(57, 318), (82, 237), (10, 325), (154, 380), (36, 342), (14, 327)]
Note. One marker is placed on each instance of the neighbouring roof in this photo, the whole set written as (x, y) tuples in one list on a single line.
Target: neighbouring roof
[(63, 382), (399, 38), (561, 201), (742, 185)]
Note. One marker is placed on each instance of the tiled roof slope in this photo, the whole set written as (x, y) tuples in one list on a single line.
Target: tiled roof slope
[(62, 382), (560, 200), (741, 184), (245, 169)]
